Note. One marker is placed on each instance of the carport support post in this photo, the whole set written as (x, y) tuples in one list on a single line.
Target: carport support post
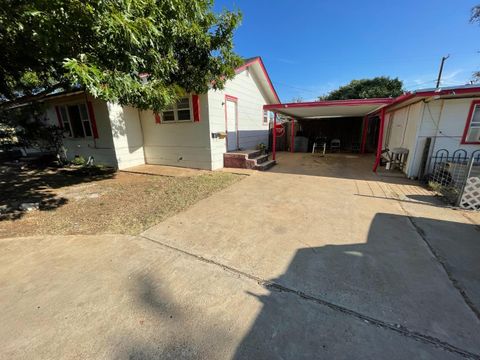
[(292, 136), (274, 136), (380, 140)]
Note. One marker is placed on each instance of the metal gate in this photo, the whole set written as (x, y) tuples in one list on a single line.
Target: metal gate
[(456, 176)]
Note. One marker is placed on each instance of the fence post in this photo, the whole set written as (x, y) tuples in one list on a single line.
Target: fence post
[(464, 182)]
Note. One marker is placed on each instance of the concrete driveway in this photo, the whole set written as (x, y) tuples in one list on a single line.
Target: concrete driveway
[(317, 258)]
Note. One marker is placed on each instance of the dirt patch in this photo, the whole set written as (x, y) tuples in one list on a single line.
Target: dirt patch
[(101, 203)]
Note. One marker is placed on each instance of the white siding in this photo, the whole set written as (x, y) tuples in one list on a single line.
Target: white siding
[(251, 130), (127, 135), (403, 127), (102, 148), (451, 124), (443, 120), (178, 144)]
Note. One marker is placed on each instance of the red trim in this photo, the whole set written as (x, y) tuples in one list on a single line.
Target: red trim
[(467, 125), (364, 135), (91, 114), (59, 117), (352, 102), (196, 108), (292, 136), (409, 96), (262, 66), (274, 136), (231, 98), (453, 91), (158, 118), (235, 100), (380, 140)]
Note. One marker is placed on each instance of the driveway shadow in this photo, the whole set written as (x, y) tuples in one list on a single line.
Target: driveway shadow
[(393, 277)]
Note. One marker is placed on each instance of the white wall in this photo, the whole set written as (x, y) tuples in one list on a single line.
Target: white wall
[(251, 130), (178, 144), (403, 126), (127, 135), (102, 148), (443, 120)]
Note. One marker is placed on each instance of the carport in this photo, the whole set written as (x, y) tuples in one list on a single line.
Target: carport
[(356, 116)]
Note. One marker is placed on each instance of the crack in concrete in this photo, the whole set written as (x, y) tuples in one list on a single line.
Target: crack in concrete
[(399, 329), (443, 263)]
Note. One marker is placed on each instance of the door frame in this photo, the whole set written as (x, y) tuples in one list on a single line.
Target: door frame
[(234, 100)]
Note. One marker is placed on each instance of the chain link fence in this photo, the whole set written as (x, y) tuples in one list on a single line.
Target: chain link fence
[(456, 176)]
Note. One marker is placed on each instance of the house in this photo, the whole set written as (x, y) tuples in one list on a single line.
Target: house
[(431, 120), (448, 117), (195, 132)]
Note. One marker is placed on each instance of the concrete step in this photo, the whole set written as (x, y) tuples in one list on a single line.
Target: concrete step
[(265, 165), (252, 154), (261, 159)]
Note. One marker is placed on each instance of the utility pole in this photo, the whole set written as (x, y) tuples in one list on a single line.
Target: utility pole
[(441, 70)]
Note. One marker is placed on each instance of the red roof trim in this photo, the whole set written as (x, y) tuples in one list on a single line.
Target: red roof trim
[(262, 65), (409, 96), (352, 102)]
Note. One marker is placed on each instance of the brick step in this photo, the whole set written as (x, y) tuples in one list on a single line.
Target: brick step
[(248, 159), (265, 165), (251, 163)]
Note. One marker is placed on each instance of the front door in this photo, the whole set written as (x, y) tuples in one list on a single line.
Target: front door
[(231, 123)]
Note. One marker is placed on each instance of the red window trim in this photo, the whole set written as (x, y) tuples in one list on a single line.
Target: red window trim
[(93, 121), (196, 108), (467, 125)]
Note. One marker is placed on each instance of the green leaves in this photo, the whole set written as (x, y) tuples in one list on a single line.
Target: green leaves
[(379, 87), (102, 45)]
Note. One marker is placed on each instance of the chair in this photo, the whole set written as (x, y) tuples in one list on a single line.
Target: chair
[(319, 145), (335, 145)]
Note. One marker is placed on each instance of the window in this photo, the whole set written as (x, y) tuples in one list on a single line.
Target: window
[(471, 134), (75, 120), (267, 117), (179, 112)]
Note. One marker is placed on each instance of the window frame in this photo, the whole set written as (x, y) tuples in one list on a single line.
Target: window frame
[(82, 120), (265, 117), (175, 111), (473, 107), (270, 115)]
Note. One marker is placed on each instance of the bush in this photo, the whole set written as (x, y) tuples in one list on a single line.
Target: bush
[(78, 160)]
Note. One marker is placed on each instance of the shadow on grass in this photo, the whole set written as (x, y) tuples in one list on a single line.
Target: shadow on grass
[(37, 185)]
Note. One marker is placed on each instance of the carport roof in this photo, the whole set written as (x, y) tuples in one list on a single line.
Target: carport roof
[(329, 109)]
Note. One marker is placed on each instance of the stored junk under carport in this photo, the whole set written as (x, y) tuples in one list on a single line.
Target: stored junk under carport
[(343, 125)]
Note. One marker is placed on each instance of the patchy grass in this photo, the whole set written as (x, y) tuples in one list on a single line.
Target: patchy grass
[(122, 203)]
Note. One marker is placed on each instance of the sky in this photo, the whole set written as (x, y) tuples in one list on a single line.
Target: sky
[(311, 47)]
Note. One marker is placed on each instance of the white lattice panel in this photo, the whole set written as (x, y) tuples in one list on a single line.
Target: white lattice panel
[(471, 194)]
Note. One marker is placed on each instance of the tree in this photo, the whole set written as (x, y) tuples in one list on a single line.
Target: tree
[(378, 87), (109, 47), (26, 126)]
